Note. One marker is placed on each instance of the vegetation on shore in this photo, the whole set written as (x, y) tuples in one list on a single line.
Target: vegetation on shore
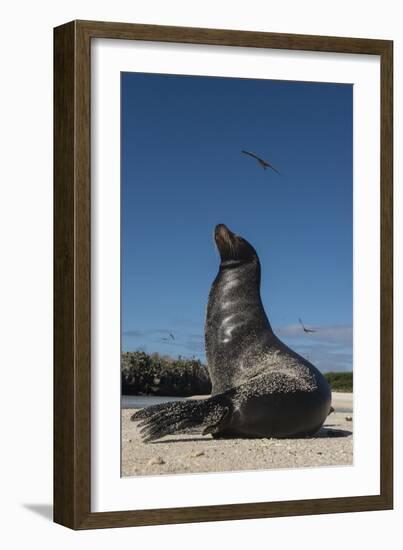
[(340, 381), (156, 374)]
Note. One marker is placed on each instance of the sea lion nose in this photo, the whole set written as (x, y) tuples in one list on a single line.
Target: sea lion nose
[(221, 229)]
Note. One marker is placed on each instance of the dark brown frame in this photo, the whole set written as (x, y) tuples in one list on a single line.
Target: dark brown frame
[(72, 296)]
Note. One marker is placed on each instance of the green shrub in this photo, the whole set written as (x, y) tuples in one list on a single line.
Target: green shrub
[(340, 381), (155, 374)]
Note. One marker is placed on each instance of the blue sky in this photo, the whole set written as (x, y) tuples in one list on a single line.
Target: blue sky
[(183, 172)]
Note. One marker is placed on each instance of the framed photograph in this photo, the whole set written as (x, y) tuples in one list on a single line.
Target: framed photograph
[(222, 274)]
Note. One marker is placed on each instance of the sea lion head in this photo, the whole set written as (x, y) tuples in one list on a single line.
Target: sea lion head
[(233, 249)]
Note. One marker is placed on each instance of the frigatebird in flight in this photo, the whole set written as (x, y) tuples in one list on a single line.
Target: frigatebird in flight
[(304, 328), (263, 163)]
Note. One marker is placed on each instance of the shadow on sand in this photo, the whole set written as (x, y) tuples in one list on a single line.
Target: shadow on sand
[(323, 433)]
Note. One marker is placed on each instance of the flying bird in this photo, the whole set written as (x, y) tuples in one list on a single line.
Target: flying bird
[(304, 328), (166, 339), (263, 163)]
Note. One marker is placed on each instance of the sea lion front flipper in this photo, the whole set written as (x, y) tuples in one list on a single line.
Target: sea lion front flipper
[(209, 415), (147, 412)]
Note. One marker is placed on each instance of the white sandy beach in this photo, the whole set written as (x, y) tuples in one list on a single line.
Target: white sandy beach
[(193, 453)]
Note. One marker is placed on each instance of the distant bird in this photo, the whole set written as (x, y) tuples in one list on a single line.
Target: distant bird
[(263, 163), (304, 328), (166, 339)]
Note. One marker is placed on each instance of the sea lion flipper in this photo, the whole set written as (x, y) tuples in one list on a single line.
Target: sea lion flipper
[(218, 426), (207, 415), (147, 412)]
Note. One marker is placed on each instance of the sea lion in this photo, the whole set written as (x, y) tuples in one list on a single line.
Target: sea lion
[(260, 387)]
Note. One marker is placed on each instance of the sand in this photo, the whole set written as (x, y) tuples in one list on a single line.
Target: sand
[(192, 453)]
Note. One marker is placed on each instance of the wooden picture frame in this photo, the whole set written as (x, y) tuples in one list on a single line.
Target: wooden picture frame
[(72, 270)]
